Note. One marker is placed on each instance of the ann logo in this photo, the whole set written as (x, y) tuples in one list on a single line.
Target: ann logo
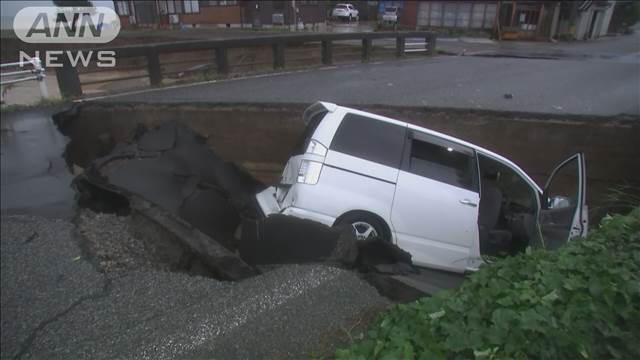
[(74, 28), (66, 24)]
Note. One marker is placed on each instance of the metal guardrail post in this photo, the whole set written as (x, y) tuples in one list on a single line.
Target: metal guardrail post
[(366, 49), (278, 55), (222, 60), (400, 44), (40, 76), (153, 67), (68, 79), (431, 41), (327, 52)]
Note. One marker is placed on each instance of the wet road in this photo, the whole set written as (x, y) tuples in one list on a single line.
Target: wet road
[(600, 77), (595, 87), (35, 178)]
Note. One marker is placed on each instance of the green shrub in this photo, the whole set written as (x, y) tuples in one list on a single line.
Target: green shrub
[(580, 302)]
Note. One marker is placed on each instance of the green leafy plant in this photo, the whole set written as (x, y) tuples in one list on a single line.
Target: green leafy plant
[(579, 302)]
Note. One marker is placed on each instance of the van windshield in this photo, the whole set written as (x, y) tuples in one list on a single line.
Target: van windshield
[(303, 142)]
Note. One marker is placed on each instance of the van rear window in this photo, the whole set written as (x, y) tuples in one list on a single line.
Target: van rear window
[(370, 139), (305, 138)]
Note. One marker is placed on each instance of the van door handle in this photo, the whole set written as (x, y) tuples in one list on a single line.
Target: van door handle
[(468, 202)]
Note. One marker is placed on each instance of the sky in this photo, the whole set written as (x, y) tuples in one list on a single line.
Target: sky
[(8, 9)]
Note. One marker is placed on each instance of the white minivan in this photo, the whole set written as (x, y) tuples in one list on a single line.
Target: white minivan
[(447, 202)]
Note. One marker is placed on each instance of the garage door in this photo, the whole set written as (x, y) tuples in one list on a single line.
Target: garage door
[(459, 14)]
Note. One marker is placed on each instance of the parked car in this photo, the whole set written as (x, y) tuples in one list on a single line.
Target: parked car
[(345, 12), (390, 15), (444, 200)]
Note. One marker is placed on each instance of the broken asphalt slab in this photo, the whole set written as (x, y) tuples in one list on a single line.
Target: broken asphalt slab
[(169, 175), (57, 305)]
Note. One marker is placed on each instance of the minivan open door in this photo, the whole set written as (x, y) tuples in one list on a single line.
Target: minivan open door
[(563, 212)]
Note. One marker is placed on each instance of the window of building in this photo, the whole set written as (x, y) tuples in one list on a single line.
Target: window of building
[(162, 7), (223, 2), (370, 139), (170, 6), (123, 8), (191, 6), (443, 161)]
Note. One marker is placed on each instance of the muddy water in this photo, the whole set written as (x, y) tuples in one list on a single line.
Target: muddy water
[(35, 178), (261, 137)]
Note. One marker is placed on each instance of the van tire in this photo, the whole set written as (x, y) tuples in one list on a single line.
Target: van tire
[(361, 220)]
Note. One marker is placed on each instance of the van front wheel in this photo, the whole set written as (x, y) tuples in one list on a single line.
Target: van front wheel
[(365, 226)]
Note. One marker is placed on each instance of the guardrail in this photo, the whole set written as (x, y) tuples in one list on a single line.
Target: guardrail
[(70, 85), (36, 73)]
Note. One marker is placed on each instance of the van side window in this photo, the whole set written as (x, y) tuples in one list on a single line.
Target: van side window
[(370, 139), (450, 164)]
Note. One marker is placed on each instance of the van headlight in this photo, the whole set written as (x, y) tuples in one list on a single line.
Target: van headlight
[(309, 172), (316, 148)]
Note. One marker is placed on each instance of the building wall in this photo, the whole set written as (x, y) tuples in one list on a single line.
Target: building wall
[(451, 14), (409, 14), (313, 13), (585, 18), (220, 14), (260, 13), (606, 20)]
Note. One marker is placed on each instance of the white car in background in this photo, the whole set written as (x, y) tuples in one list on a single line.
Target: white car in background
[(445, 201), (345, 11), (390, 15)]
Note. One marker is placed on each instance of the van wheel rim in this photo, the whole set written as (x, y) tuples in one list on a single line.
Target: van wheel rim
[(364, 230)]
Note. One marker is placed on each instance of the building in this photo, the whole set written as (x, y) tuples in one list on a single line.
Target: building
[(582, 20), (267, 14), (577, 20), (462, 15), (569, 20), (224, 13)]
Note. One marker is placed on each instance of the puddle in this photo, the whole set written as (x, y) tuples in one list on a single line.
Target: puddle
[(35, 178)]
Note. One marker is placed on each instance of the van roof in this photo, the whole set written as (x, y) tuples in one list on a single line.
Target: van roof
[(331, 107)]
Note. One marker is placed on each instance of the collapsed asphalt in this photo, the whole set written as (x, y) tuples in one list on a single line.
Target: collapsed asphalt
[(173, 170), (99, 287), (92, 287), (56, 304)]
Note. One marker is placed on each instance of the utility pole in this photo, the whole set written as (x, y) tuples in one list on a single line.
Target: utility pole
[(295, 15)]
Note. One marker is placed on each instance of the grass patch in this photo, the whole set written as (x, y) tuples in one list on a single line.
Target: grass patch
[(580, 302), (42, 103)]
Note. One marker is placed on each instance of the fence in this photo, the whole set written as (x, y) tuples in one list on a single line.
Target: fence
[(36, 73), (280, 46)]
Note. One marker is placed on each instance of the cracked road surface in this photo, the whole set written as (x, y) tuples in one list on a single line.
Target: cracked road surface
[(55, 304)]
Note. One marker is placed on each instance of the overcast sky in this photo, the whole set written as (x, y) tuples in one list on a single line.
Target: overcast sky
[(8, 9)]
